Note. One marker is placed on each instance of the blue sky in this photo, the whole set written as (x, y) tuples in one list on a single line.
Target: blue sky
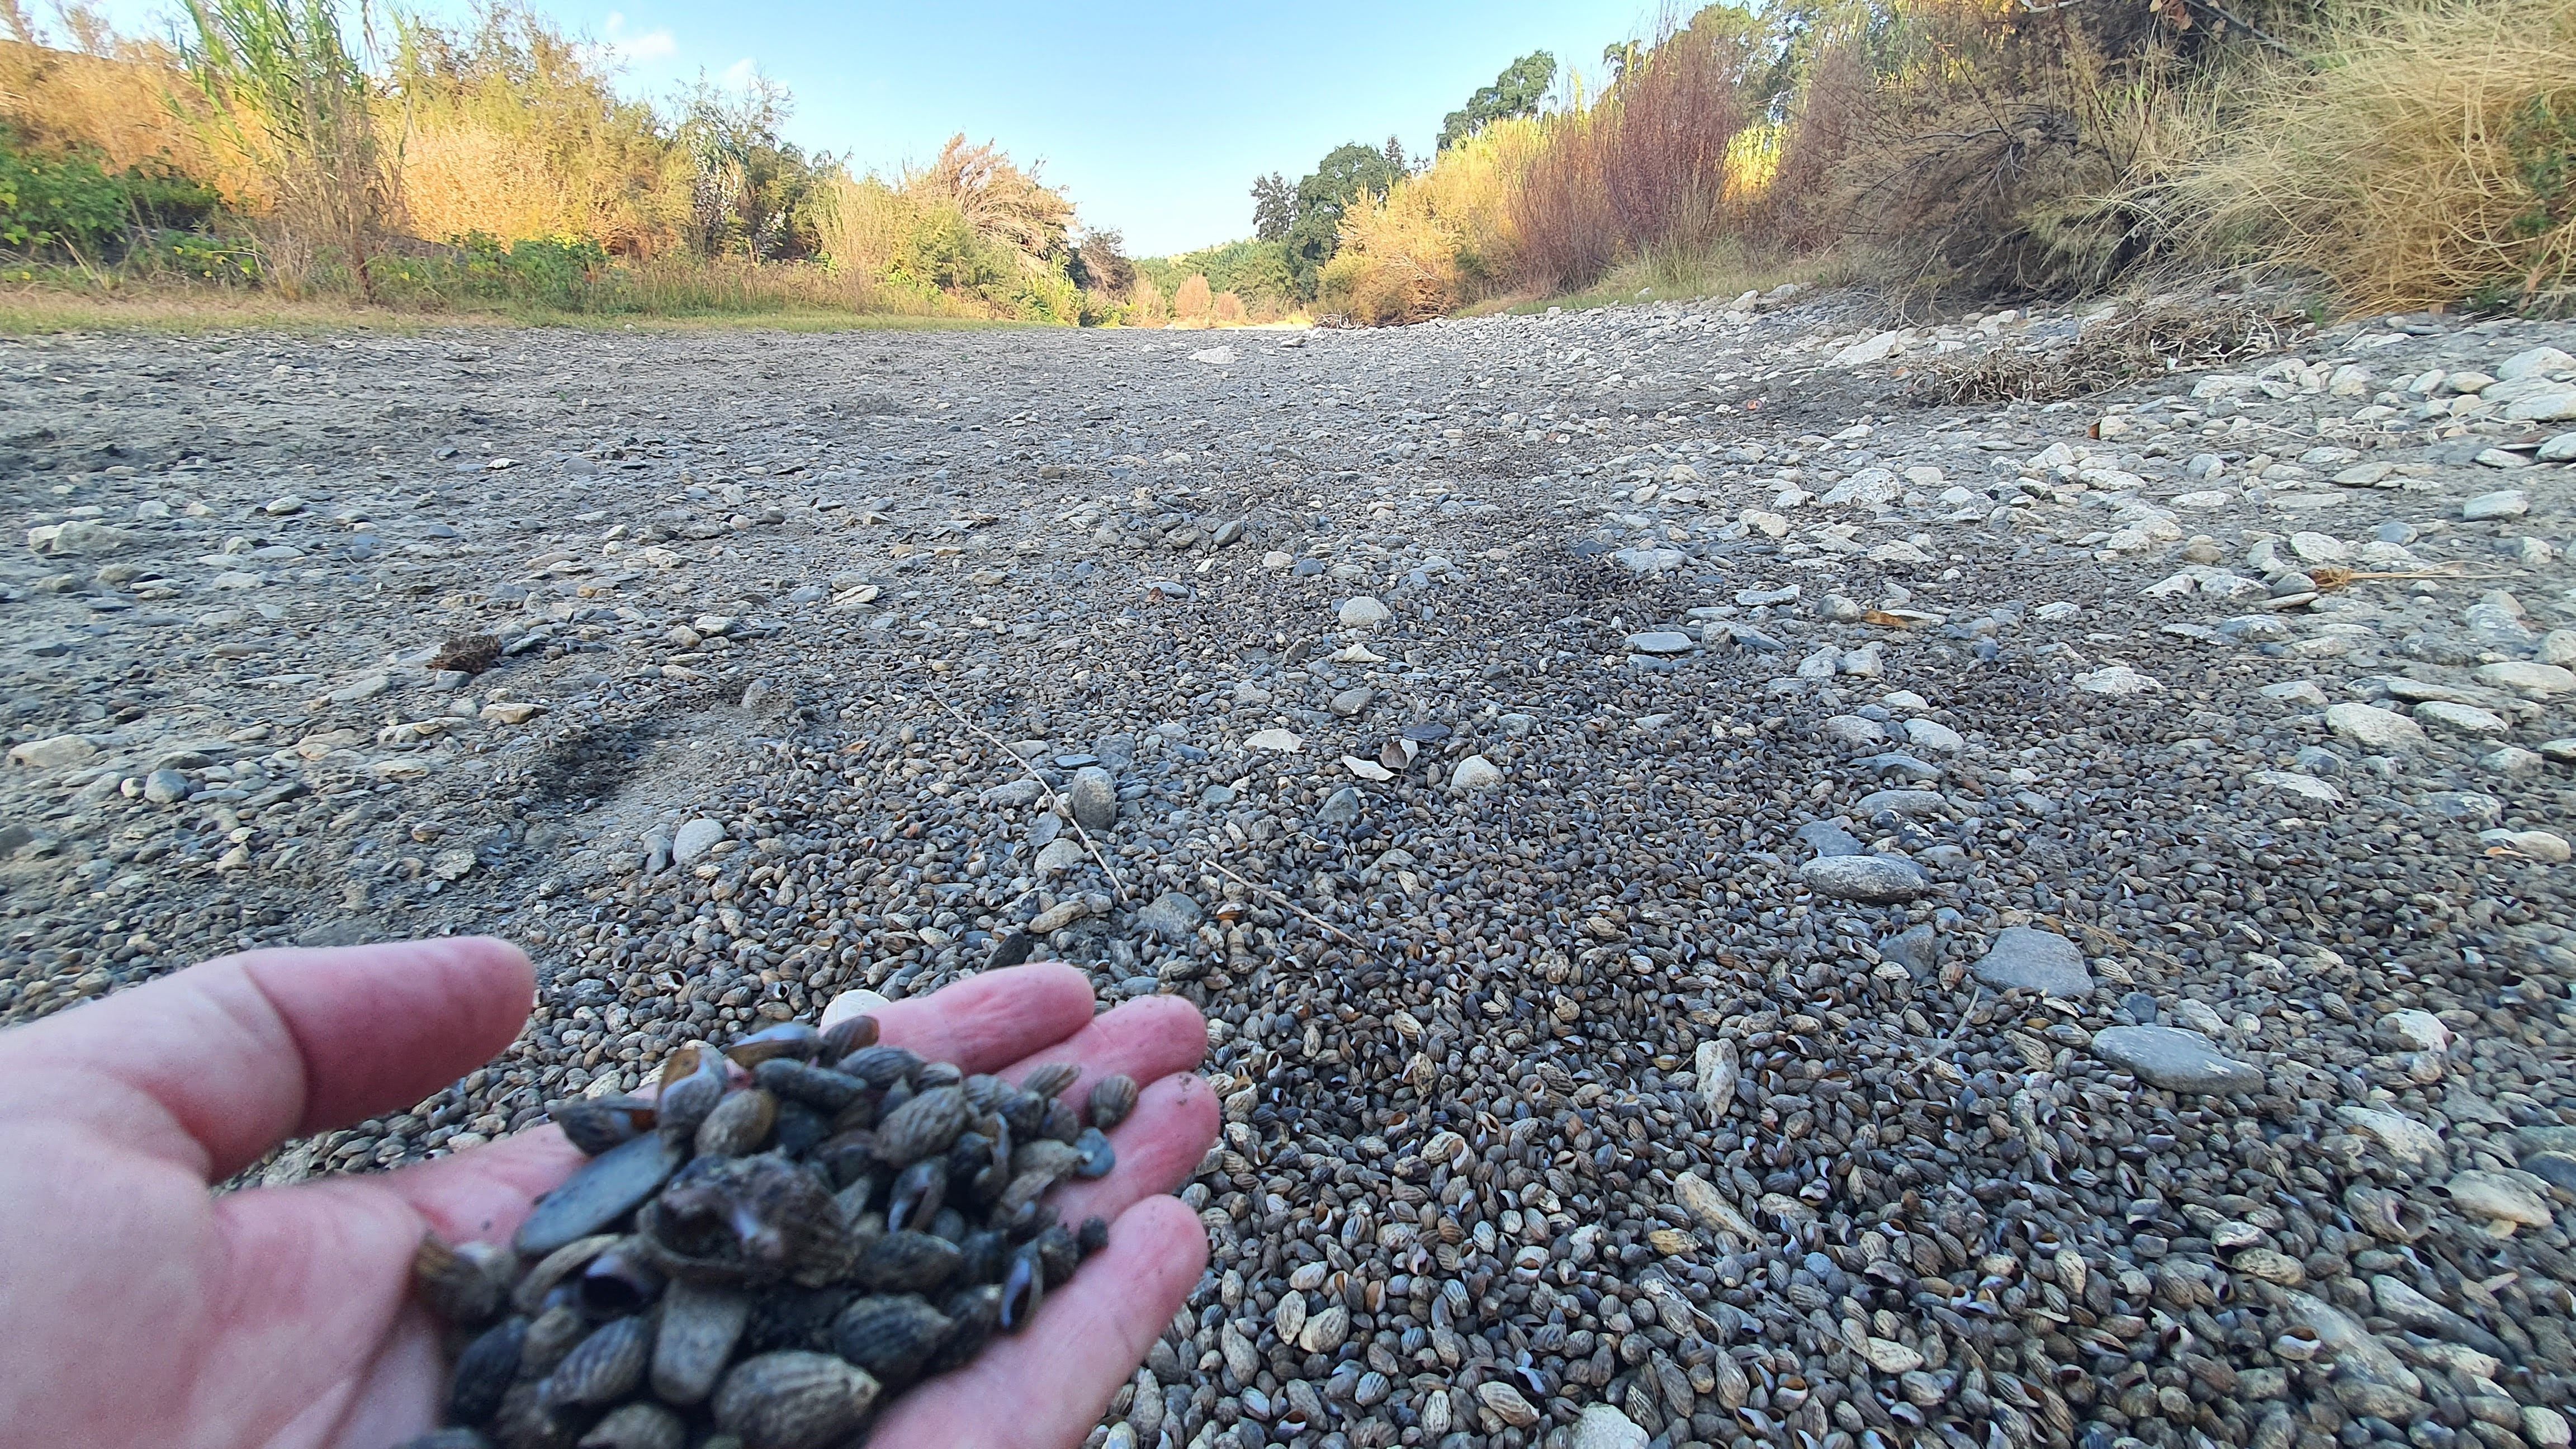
[(1155, 117)]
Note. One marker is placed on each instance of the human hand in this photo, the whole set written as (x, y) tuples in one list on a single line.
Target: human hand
[(146, 1311)]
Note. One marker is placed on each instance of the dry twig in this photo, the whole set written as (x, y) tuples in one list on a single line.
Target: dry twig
[(1053, 799)]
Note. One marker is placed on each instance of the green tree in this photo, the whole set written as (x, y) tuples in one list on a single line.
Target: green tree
[(1516, 92), (1346, 173), (1274, 207)]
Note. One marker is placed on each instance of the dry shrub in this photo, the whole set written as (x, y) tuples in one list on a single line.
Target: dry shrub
[(1644, 166), (1192, 301), (514, 130), (2136, 342), (1439, 239), (115, 100), (1229, 308), (2428, 154), (1145, 305)]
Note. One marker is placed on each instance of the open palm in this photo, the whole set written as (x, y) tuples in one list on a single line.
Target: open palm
[(145, 1310)]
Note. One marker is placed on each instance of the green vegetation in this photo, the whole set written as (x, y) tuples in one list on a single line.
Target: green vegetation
[(1518, 91)]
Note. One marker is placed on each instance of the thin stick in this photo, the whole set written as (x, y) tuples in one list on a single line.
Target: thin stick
[(1052, 798), (1274, 893)]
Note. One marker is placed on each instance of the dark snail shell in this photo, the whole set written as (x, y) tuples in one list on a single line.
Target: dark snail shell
[(463, 1285), (937, 1074), (606, 1189), (694, 1079), (983, 1256), (927, 1124), (1051, 1079), (596, 1124), (1023, 1289), (739, 1125), (531, 1296), (794, 1400), (844, 1037), (550, 1336), (619, 1281), (1098, 1156), (699, 1328), (1093, 1235), (1111, 1099), (890, 1335), (527, 1421), (637, 1426), (1059, 1251), (972, 1318), (485, 1371), (820, 1088), (793, 1040), (728, 1220), (604, 1367), (906, 1262), (880, 1066), (919, 1191)]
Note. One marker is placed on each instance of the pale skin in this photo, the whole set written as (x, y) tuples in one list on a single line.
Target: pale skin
[(145, 1310)]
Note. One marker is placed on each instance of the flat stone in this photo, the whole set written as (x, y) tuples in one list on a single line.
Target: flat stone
[(1661, 641), (1870, 879), (2026, 959), (2532, 681), (1059, 855), (2306, 787), (2374, 728), (2441, 716), (54, 752), (1935, 736), (1826, 838), (691, 842), (1351, 701), (2117, 680), (2543, 845), (1912, 803), (2507, 503), (2174, 1059), (1171, 915), (2498, 1199), (1342, 807), (1284, 742), (2405, 1138)]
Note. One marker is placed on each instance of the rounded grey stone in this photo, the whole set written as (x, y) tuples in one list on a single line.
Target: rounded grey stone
[(1870, 879), (691, 842), (1094, 798)]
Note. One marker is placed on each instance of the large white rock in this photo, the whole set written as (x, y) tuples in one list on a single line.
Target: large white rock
[(2533, 681), (691, 842), (54, 751), (2374, 728), (1603, 1427), (1476, 773), (1363, 613)]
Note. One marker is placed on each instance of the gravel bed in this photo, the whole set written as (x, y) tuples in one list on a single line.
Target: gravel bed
[(1732, 908)]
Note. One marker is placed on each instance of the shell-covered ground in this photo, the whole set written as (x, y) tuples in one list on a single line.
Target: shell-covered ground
[(1733, 905)]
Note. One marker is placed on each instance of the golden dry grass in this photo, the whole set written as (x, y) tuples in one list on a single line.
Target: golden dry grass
[(2424, 155)]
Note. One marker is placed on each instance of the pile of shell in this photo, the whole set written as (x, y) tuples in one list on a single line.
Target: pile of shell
[(771, 1251)]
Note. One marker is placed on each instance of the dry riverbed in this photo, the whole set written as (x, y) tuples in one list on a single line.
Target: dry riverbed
[(1732, 908)]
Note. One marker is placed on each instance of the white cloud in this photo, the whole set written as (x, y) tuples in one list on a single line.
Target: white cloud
[(739, 75), (655, 44)]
